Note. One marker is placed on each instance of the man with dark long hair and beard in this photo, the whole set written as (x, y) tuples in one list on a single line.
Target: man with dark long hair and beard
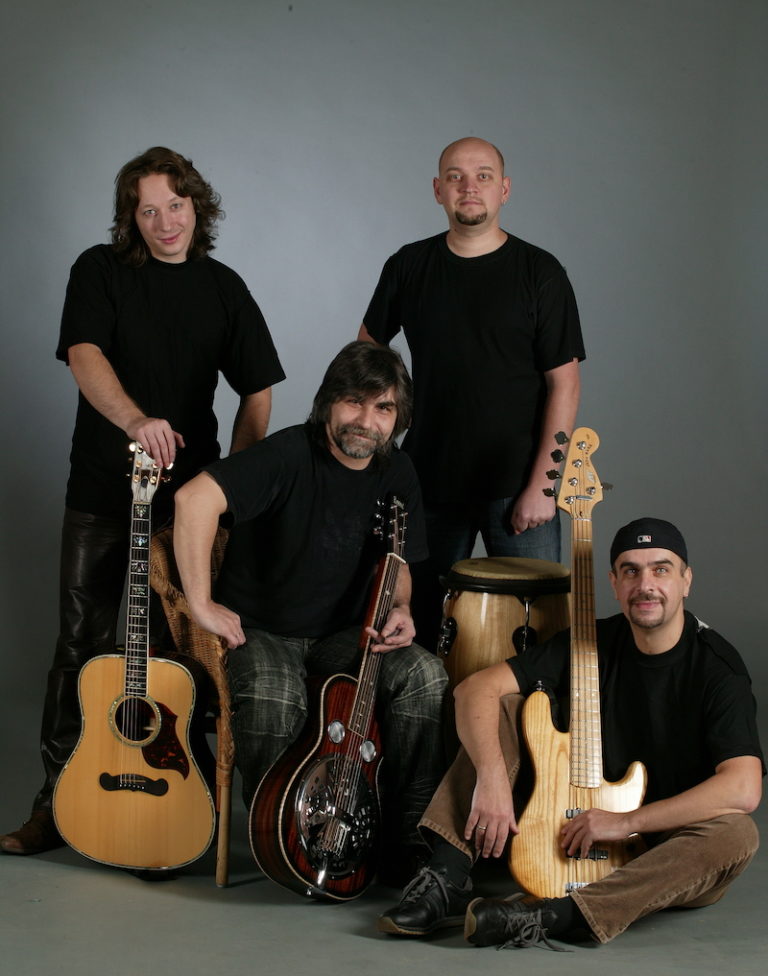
[(149, 321), (292, 593)]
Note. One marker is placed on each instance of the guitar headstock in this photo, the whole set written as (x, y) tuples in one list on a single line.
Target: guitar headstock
[(146, 475), (581, 489), (397, 521)]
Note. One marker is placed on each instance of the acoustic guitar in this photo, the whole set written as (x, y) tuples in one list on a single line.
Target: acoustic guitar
[(315, 817), (568, 767), (132, 795)]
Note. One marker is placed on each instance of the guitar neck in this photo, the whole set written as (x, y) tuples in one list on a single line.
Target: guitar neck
[(137, 632), (382, 601), (586, 732)]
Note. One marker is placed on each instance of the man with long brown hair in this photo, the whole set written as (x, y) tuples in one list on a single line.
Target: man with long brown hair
[(149, 321)]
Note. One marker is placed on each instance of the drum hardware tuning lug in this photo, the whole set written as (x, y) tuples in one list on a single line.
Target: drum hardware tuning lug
[(447, 636)]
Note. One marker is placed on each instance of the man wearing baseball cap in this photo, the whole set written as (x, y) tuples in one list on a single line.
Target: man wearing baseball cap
[(675, 696)]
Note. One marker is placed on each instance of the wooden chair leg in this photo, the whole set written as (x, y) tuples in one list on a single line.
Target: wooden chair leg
[(222, 849)]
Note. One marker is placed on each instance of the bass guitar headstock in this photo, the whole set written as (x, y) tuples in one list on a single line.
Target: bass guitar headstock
[(145, 475), (581, 488)]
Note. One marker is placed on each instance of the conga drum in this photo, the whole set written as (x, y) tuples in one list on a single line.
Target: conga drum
[(497, 607)]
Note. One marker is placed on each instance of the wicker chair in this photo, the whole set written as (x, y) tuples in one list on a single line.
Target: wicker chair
[(209, 652)]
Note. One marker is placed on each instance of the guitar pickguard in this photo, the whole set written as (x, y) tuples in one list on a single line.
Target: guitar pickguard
[(151, 725)]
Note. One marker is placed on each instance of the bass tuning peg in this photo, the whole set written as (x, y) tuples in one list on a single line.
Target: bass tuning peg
[(557, 456), (554, 474), (561, 437)]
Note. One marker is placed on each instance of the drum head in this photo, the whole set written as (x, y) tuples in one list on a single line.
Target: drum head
[(508, 574)]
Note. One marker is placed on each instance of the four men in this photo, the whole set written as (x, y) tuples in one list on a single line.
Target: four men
[(494, 334)]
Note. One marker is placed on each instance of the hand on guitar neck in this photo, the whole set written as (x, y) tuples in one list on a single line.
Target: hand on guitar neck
[(398, 630)]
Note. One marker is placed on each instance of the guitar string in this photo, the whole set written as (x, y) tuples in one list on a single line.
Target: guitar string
[(351, 769), (586, 734)]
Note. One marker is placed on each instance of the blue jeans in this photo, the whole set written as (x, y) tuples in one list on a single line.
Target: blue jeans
[(269, 700), (451, 534)]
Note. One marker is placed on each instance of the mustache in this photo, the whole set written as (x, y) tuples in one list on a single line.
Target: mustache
[(372, 435)]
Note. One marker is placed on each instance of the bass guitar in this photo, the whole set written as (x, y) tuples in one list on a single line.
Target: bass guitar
[(568, 767), (315, 817), (131, 794)]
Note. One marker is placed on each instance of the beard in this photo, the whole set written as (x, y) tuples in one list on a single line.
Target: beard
[(347, 437), (471, 219), (648, 622)]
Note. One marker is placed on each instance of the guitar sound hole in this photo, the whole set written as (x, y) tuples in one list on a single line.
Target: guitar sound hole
[(136, 720)]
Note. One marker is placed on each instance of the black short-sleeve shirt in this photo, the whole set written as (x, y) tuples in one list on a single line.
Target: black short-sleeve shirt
[(482, 332), (302, 553), (167, 330), (680, 713)]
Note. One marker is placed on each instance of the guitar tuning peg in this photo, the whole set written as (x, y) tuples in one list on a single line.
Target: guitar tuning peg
[(561, 437), (554, 474), (607, 486), (549, 492), (557, 456)]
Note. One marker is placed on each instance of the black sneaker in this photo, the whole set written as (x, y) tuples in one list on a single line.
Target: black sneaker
[(509, 923), (429, 902)]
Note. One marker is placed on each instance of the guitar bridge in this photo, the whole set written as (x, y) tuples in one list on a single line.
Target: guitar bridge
[(573, 885)]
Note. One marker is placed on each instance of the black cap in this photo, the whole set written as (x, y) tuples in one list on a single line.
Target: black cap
[(649, 533)]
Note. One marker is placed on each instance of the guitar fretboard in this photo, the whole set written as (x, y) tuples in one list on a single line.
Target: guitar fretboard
[(137, 634), (586, 733)]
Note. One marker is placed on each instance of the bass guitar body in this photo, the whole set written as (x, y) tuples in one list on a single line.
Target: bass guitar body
[(132, 794), (537, 861), (315, 816)]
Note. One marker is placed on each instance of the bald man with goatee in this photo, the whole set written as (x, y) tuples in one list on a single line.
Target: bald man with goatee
[(495, 339)]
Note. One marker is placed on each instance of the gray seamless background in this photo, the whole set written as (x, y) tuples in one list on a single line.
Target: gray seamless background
[(635, 137)]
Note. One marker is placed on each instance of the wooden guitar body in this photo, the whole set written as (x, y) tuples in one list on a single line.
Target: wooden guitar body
[(131, 794), (537, 861), (315, 817)]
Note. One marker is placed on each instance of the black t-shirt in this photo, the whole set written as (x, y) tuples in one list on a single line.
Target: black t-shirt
[(302, 554), (482, 331), (680, 713), (167, 330)]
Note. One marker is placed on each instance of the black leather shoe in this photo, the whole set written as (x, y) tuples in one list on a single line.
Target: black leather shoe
[(429, 902), (510, 923), (38, 834)]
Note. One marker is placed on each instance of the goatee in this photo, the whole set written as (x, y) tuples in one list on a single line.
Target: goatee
[(471, 220)]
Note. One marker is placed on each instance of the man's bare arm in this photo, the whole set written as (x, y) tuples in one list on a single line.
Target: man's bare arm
[(533, 507), (477, 721), (199, 503), (365, 336), (252, 420), (103, 390)]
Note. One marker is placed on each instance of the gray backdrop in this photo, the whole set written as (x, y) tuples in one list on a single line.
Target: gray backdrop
[(636, 141)]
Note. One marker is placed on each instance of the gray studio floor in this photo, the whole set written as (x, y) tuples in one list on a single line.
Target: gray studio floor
[(62, 913)]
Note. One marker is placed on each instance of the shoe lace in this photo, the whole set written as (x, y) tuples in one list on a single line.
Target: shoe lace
[(424, 881), (525, 930)]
